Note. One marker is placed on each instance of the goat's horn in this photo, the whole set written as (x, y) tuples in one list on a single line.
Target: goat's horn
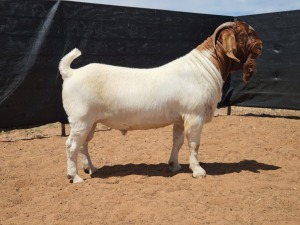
[(219, 28)]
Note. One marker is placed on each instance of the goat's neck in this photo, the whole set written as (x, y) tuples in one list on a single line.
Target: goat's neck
[(217, 56)]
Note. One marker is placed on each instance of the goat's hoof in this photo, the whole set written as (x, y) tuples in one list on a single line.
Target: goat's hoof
[(75, 179), (199, 173), (174, 167), (86, 170), (93, 170), (90, 171)]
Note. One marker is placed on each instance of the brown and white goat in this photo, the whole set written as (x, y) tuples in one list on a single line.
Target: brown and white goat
[(184, 92)]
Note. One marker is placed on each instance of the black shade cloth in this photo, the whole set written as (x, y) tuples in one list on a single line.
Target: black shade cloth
[(276, 83), (35, 35)]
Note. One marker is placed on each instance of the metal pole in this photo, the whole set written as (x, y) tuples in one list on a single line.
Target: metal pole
[(229, 110), (63, 129)]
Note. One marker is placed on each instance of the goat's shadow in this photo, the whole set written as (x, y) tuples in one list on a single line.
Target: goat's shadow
[(162, 170)]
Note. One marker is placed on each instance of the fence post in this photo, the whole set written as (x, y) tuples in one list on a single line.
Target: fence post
[(63, 129), (229, 110)]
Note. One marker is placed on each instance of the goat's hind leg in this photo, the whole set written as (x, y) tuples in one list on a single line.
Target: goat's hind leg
[(178, 139), (75, 140), (85, 156)]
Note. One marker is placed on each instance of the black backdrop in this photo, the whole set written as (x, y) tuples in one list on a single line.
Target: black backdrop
[(276, 83), (34, 36)]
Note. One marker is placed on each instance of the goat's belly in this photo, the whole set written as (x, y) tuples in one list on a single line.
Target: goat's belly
[(133, 126), (139, 121)]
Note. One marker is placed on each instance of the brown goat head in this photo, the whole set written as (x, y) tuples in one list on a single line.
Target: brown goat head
[(241, 44)]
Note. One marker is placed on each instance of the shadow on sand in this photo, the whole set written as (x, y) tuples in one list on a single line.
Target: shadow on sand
[(161, 169)]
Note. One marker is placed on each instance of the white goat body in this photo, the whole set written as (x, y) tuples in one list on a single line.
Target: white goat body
[(184, 92), (129, 99)]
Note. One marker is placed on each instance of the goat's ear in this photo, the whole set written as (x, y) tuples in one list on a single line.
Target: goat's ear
[(229, 44)]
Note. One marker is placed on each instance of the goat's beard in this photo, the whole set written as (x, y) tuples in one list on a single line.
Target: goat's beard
[(248, 69)]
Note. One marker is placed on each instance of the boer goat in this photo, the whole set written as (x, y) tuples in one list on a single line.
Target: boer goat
[(184, 92)]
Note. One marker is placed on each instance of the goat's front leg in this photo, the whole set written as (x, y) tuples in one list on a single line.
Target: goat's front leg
[(72, 154), (193, 129), (178, 139)]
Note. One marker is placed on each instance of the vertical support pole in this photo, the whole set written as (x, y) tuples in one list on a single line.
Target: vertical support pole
[(229, 110), (63, 129)]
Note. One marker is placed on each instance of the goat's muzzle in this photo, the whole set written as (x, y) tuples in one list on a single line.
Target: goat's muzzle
[(250, 64), (248, 69)]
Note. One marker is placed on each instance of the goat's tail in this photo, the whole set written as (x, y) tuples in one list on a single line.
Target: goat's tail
[(65, 63)]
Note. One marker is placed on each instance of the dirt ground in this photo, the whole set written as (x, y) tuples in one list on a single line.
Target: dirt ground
[(252, 159)]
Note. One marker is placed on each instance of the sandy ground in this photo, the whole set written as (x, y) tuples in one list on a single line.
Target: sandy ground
[(251, 158)]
